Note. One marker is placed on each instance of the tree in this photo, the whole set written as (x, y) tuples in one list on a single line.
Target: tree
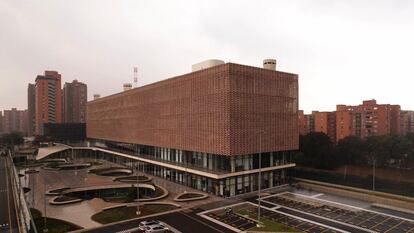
[(350, 150), (12, 139), (317, 151)]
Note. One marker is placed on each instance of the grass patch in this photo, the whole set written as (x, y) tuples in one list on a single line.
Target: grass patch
[(133, 179), (53, 225), (98, 170), (190, 195), (124, 213), (120, 199), (64, 198), (268, 225), (95, 163)]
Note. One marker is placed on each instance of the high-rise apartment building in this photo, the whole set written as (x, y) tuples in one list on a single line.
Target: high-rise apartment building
[(364, 120), (15, 121), (31, 110), (325, 122), (367, 119), (74, 99), (406, 122), (395, 125), (48, 107), (1, 123), (302, 126), (306, 123), (204, 129)]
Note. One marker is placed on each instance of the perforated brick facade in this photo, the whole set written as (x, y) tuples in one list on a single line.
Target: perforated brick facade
[(219, 110)]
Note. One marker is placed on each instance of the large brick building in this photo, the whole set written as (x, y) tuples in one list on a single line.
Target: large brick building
[(205, 129)]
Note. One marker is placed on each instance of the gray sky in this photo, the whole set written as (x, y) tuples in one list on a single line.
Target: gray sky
[(344, 51)]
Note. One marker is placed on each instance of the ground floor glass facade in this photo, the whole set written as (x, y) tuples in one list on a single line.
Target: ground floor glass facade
[(225, 187)]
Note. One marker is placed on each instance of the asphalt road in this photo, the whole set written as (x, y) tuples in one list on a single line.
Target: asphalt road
[(8, 220), (185, 222)]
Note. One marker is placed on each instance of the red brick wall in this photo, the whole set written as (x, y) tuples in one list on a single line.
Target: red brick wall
[(219, 110)]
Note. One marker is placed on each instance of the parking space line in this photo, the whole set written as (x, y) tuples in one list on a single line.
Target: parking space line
[(303, 219), (394, 226), (220, 223), (381, 222), (355, 207), (367, 219), (317, 195), (332, 220)]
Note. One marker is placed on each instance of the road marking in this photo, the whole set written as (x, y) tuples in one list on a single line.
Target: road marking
[(201, 222)]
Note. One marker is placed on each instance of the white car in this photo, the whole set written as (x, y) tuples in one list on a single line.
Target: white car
[(144, 224), (156, 229)]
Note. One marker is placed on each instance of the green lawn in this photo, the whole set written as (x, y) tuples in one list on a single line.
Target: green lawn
[(124, 213), (268, 225), (190, 195), (53, 225)]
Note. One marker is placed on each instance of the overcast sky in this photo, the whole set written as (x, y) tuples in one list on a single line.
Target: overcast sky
[(344, 51)]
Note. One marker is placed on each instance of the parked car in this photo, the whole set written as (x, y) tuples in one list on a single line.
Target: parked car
[(144, 224), (156, 229)]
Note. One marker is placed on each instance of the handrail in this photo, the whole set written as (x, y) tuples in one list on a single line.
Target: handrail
[(25, 219)]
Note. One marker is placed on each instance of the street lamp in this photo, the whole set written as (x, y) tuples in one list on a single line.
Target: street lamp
[(373, 174), (138, 212), (45, 217), (260, 176)]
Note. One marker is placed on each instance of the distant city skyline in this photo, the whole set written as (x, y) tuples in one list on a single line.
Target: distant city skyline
[(343, 51)]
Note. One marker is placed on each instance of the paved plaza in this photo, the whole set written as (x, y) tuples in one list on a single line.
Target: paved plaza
[(80, 213)]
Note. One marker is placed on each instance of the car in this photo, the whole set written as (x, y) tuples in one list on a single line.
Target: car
[(142, 225), (156, 229)]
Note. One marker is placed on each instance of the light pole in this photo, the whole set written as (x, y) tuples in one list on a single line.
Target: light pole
[(260, 176), (44, 203), (373, 174), (138, 212)]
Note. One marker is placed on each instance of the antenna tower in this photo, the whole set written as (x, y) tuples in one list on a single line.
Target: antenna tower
[(135, 77)]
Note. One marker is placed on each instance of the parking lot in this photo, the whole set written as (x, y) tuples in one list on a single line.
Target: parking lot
[(360, 218), (237, 219)]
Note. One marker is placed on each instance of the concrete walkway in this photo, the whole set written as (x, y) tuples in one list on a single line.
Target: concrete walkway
[(80, 213)]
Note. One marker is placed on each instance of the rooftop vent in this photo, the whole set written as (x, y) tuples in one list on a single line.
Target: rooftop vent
[(206, 64), (269, 64)]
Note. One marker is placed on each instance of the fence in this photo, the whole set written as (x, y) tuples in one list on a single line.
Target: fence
[(26, 223), (365, 182)]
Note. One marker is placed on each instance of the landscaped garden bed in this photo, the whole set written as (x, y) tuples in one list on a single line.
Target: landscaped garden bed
[(129, 212), (56, 192), (52, 224), (63, 200), (190, 196), (112, 171), (133, 179)]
